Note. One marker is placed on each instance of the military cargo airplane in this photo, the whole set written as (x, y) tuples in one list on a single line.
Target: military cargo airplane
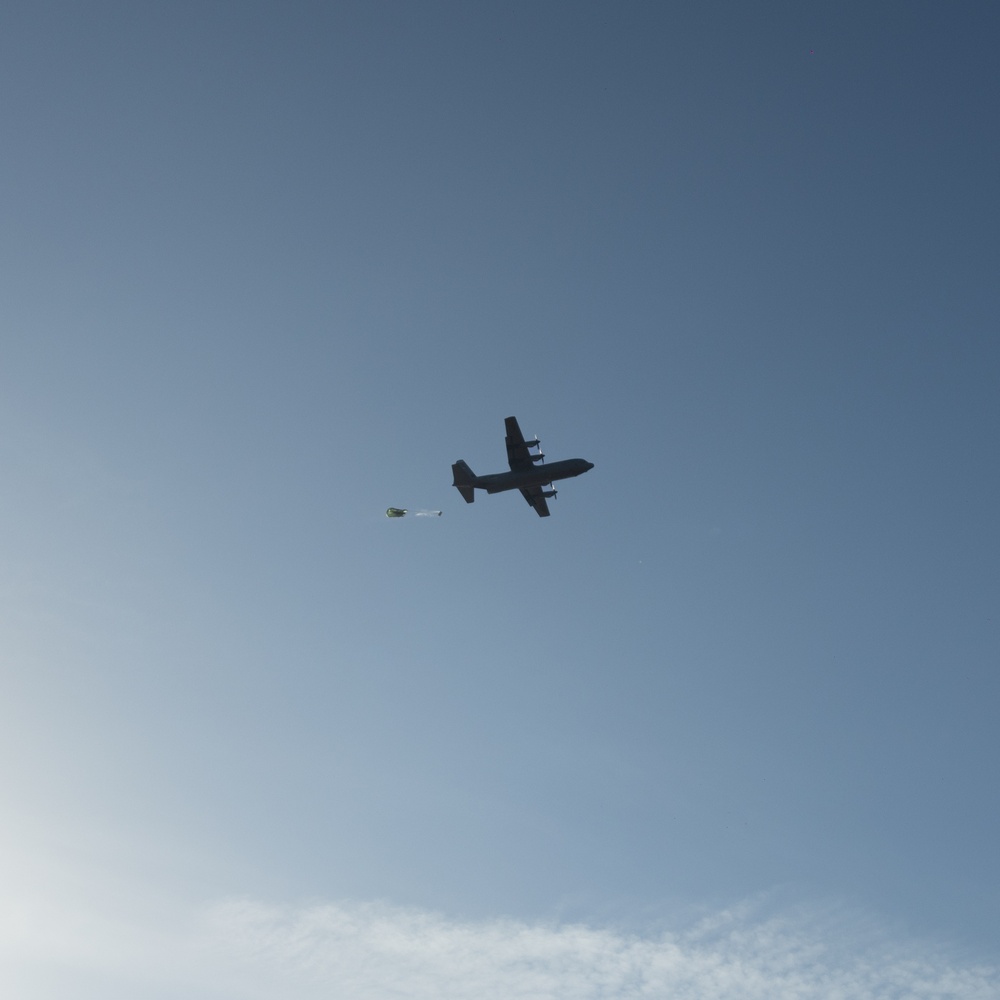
[(524, 475)]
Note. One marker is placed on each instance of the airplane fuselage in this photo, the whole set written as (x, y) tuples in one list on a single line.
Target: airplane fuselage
[(539, 475)]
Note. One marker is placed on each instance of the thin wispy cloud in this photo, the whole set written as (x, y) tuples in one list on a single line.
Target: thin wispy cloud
[(77, 931), (375, 952)]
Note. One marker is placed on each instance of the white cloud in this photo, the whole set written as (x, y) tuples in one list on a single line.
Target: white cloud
[(67, 934), (376, 952)]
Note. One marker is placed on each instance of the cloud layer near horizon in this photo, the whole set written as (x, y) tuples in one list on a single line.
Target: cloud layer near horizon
[(110, 944), (370, 951)]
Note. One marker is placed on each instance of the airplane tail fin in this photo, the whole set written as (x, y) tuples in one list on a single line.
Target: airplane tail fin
[(464, 480)]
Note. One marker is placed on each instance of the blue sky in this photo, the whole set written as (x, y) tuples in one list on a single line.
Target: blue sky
[(724, 723)]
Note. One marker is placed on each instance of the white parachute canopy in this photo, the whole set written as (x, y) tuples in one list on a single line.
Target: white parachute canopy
[(403, 512)]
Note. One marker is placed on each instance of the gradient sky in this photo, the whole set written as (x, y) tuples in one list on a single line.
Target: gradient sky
[(725, 725)]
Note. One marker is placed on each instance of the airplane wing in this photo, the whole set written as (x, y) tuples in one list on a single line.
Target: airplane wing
[(520, 458), (534, 496), (517, 449)]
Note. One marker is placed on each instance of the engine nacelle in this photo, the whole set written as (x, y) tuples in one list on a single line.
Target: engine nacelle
[(533, 444), (548, 494), (536, 458)]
